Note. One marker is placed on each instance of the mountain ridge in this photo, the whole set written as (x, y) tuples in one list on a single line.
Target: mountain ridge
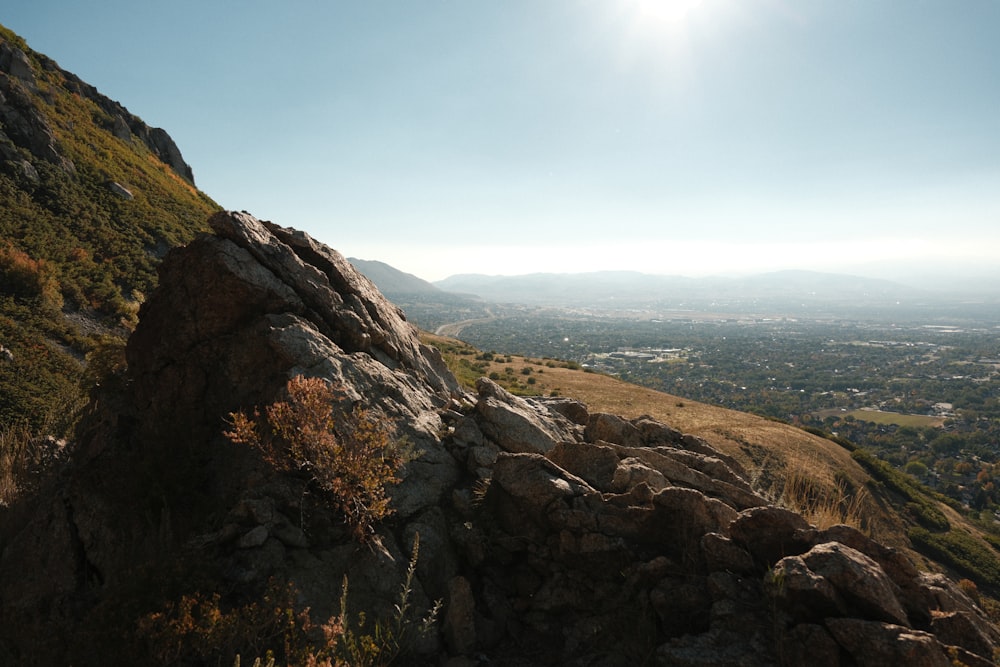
[(391, 280), (574, 289)]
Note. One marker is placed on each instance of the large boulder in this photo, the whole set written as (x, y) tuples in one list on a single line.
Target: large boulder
[(875, 644), (835, 580), (517, 425)]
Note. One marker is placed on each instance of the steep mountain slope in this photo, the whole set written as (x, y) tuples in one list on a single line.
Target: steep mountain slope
[(91, 199)]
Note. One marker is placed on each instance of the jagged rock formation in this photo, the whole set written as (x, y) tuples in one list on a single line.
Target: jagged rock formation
[(553, 535)]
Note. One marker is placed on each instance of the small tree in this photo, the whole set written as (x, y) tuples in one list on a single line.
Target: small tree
[(916, 468), (352, 462)]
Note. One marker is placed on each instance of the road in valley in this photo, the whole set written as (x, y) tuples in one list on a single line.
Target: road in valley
[(453, 329)]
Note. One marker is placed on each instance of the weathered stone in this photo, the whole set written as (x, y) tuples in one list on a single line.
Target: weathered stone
[(289, 535), (632, 472), (809, 644), (960, 628), (438, 562), (721, 553), (717, 648), (682, 606), (876, 644), (612, 428), (512, 423), (15, 62), (666, 461), (571, 409), (655, 433), (254, 538), (806, 596), (937, 597), (460, 617), (467, 432), (121, 191), (594, 463), (770, 533), (858, 579), (535, 482), (389, 338), (682, 516)]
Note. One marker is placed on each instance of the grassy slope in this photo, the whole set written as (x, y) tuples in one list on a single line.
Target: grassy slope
[(84, 256), (777, 457)]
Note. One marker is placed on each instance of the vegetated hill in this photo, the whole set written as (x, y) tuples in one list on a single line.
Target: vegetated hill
[(794, 289), (91, 199)]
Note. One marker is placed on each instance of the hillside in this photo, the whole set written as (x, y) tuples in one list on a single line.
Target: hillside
[(823, 479), (91, 199)]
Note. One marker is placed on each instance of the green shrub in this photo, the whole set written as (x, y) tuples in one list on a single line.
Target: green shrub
[(961, 551), (919, 501)]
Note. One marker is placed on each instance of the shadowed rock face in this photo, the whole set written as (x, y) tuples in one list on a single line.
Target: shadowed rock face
[(553, 536), (241, 311)]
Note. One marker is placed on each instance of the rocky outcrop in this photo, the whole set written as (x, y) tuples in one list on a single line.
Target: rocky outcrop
[(552, 535), (23, 125)]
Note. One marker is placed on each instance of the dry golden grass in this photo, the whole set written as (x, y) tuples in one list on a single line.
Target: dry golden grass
[(824, 508), (17, 453), (809, 474)]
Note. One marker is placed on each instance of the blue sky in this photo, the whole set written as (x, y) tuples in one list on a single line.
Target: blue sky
[(672, 136)]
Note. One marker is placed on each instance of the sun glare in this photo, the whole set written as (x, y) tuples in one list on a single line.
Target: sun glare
[(668, 11)]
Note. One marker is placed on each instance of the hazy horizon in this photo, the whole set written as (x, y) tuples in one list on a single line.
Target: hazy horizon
[(689, 137), (918, 273), (982, 281)]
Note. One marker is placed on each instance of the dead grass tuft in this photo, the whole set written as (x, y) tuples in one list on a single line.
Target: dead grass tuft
[(20, 455), (824, 506)]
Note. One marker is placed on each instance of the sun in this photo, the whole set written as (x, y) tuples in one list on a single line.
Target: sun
[(667, 11)]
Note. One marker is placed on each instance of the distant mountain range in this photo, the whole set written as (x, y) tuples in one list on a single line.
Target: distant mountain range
[(792, 292), (604, 286), (619, 288), (391, 280)]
